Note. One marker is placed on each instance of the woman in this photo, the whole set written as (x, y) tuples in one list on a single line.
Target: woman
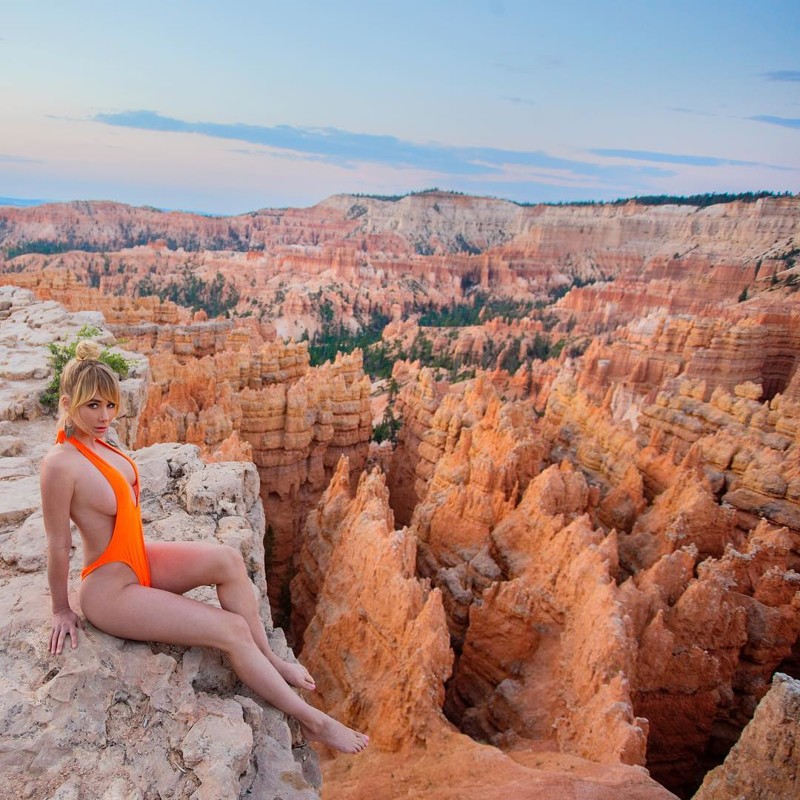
[(135, 590)]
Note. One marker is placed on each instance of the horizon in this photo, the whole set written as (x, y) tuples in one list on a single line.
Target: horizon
[(648, 200), (260, 105)]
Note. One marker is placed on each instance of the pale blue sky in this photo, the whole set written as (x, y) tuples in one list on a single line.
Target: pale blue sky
[(231, 106)]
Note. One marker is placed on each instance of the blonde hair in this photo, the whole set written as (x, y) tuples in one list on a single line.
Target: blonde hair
[(84, 377)]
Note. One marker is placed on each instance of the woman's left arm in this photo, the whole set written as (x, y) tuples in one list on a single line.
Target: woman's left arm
[(57, 487)]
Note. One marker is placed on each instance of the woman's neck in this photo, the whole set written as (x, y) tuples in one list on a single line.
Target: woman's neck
[(84, 438)]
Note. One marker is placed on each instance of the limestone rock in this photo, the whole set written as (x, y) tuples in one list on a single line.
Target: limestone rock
[(121, 719), (762, 765)]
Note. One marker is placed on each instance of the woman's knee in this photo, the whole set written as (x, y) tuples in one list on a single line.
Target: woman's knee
[(231, 562), (235, 633)]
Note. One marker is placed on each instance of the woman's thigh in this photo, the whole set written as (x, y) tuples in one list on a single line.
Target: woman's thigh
[(180, 566), (149, 614)]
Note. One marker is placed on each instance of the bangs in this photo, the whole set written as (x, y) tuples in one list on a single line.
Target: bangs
[(100, 380)]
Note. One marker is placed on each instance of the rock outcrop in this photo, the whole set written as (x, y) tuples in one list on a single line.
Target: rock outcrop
[(114, 718), (211, 384), (763, 764)]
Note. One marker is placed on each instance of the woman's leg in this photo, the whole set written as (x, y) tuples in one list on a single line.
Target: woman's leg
[(180, 566), (131, 611)]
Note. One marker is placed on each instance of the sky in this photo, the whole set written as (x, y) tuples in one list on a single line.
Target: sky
[(228, 107)]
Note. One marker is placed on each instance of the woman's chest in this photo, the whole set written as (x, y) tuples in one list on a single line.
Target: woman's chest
[(100, 491)]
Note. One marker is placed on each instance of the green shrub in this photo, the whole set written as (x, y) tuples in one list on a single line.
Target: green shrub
[(60, 354)]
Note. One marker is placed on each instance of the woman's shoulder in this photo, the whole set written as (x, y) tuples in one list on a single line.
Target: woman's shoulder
[(60, 458)]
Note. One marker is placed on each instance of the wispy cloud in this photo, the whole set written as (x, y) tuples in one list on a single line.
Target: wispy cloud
[(345, 148), (675, 158), (792, 75), (520, 101), (6, 159), (695, 111), (786, 122)]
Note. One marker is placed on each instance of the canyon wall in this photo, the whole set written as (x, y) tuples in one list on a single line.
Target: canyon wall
[(368, 254), (622, 610), (568, 571)]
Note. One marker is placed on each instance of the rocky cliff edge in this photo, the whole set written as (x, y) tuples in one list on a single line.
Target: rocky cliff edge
[(113, 718)]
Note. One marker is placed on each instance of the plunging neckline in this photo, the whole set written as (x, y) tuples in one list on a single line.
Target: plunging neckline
[(133, 487)]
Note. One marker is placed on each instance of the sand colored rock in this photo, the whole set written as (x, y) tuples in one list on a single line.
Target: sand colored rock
[(370, 591), (25, 362), (707, 646), (458, 768), (118, 718), (762, 764), (156, 720), (557, 600)]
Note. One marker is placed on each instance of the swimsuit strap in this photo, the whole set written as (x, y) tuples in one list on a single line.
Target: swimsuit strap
[(101, 463)]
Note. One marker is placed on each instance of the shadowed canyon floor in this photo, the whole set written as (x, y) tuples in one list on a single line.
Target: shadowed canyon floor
[(580, 558)]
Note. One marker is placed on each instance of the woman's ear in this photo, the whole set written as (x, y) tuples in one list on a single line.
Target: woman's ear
[(63, 402)]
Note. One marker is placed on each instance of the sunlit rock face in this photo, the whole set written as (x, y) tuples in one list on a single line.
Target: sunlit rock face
[(378, 643), (762, 763), (644, 584)]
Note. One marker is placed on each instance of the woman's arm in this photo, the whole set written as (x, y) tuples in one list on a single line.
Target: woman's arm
[(57, 487)]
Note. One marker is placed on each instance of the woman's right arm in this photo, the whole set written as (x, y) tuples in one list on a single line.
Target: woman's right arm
[(57, 486)]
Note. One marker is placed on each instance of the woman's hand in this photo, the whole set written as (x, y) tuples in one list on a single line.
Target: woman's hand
[(64, 623)]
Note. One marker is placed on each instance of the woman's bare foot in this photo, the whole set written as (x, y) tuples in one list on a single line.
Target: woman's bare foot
[(294, 674), (328, 731)]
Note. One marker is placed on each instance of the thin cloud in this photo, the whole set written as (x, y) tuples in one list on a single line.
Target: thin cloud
[(21, 202), (520, 101), (785, 122), (6, 159), (791, 75), (694, 111), (675, 158), (345, 148), (284, 154), (514, 69)]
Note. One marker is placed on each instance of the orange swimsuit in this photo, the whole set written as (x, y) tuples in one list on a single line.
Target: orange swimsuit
[(127, 539)]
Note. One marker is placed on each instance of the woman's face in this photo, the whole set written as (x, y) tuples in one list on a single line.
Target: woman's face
[(97, 414)]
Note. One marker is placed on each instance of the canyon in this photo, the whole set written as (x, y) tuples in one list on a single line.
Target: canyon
[(574, 568)]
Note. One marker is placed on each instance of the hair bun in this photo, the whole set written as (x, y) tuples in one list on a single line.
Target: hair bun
[(88, 350)]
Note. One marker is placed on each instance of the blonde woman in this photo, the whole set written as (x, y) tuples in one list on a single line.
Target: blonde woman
[(133, 589)]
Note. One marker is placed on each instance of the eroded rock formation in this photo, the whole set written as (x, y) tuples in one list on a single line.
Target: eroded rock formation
[(596, 567), (364, 254), (378, 643), (627, 609)]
